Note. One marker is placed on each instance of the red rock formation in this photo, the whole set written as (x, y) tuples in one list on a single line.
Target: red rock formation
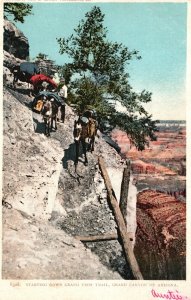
[(168, 145), (140, 167), (121, 139), (161, 236)]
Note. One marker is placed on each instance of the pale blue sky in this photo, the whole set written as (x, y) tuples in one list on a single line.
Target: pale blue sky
[(157, 30)]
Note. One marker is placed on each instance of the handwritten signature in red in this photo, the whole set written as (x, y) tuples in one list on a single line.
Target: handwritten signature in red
[(169, 295)]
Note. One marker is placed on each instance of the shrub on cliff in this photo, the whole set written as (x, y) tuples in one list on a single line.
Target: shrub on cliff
[(17, 10)]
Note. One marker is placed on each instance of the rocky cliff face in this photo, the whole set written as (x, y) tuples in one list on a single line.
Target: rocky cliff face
[(15, 42), (9, 61), (16, 50), (43, 202), (161, 236), (46, 66), (22, 149)]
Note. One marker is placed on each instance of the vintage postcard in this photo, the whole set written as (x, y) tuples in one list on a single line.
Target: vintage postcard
[(95, 150)]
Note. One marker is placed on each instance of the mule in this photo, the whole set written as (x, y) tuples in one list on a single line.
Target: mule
[(19, 75), (84, 128), (49, 112)]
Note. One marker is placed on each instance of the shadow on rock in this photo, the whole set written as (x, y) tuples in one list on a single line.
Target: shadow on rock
[(21, 96), (69, 155), (39, 127), (23, 91)]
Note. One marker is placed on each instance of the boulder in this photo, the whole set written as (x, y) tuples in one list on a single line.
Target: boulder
[(10, 61), (14, 41), (7, 76)]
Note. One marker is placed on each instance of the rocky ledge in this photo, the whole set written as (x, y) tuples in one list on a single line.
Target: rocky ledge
[(160, 239), (15, 41)]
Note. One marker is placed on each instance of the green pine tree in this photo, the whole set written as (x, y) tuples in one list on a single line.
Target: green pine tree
[(17, 10), (98, 78)]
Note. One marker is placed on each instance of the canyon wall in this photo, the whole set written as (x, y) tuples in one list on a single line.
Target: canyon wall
[(15, 42), (160, 238)]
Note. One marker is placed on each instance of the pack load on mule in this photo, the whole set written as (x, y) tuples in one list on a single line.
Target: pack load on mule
[(24, 72), (37, 103), (29, 68), (90, 113), (91, 116), (38, 79), (85, 128)]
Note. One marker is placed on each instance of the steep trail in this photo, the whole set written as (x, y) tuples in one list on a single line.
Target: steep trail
[(84, 198), (30, 227), (81, 206)]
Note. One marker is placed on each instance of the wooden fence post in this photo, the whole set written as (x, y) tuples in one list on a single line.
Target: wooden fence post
[(95, 238), (128, 251), (125, 190)]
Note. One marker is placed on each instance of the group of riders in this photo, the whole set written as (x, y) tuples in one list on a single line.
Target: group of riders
[(49, 100)]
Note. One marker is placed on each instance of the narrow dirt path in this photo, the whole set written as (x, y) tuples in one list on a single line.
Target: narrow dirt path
[(81, 206)]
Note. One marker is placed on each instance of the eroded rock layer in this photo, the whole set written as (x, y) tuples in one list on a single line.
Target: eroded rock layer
[(162, 165), (14, 41), (161, 236)]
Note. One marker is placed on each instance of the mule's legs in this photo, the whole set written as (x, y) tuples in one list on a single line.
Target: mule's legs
[(51, 126), (62, 109), (77, 143), (92, 143), (84, 151), (53, 119), (55, 122), (47, 127), (30, 90)]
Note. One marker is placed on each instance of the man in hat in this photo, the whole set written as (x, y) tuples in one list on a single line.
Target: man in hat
[(63, 93)]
